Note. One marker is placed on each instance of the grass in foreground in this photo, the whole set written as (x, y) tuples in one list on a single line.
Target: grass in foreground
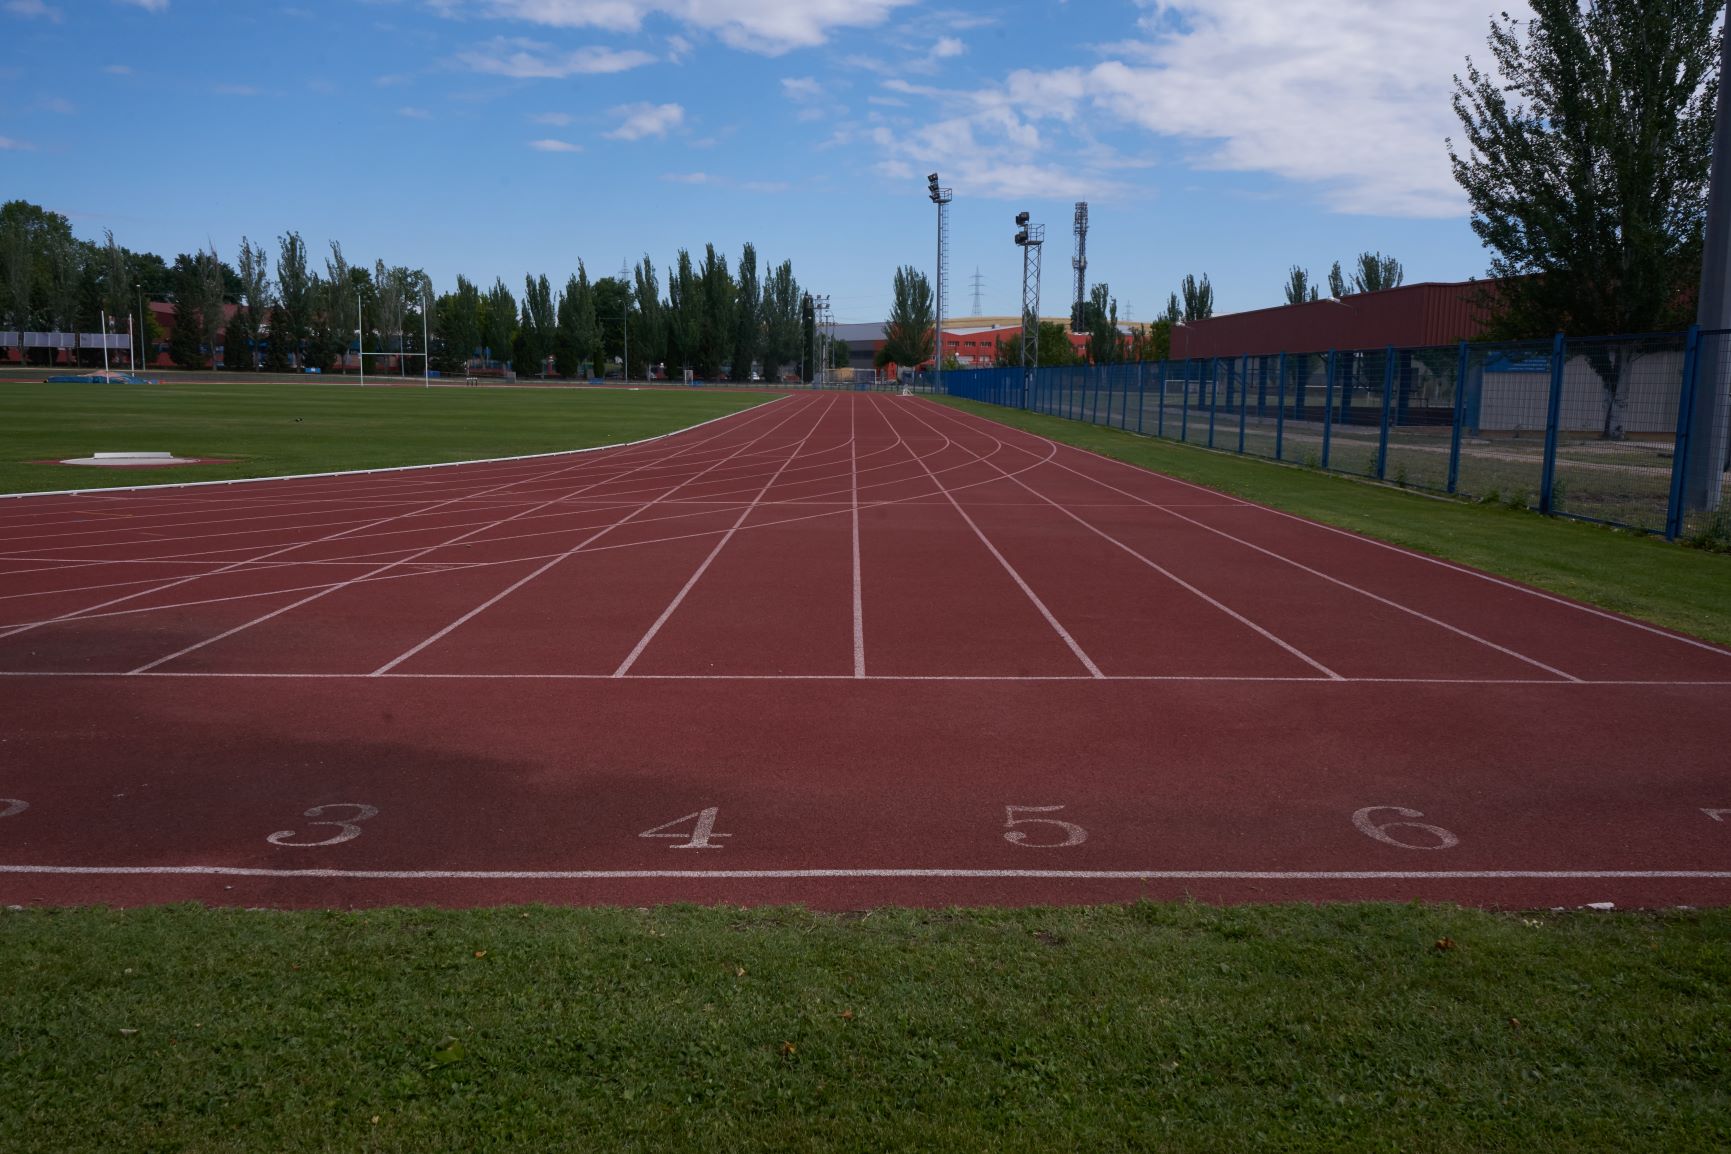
[(1143, 1027), (1642, 576), (275, 429)]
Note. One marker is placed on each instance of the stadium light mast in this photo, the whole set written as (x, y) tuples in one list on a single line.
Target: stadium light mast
[(941, 197), (1030, 238)]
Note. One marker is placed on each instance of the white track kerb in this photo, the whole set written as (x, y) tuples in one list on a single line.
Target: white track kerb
[(101, 489)]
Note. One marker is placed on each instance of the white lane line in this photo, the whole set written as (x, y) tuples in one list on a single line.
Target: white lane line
[(75, 614), (1392, 604), (1051, 619), (859, 662), (818, 874), (410, 559), (1591, 610), (679, 598), (578, 548), (1078, 678), (1154, 565)]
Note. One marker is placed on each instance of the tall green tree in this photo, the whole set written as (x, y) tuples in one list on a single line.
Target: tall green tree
[(612, 316), (1584, 156), (1299, 289), (649, 338), (535, 325), (747, 316), (908, 337), (294, 285), (574, 342), (336, 315), (253, 266), (684, 313), (1337, 285), (1198, 298), (1100, 312), (781, 321), (1377, 272), (185, 343), (716, 332), (499, 320), (459, 327)]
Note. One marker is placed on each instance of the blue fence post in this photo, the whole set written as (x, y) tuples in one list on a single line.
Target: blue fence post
[(1243, 402), (1280, 410), (1184, 410), (1680, 454), (1213, 395), (1553, 419), (1160, 420), (1461, 371), (1328, 410), (1141, 395), (1387, 399), (1124, 408)]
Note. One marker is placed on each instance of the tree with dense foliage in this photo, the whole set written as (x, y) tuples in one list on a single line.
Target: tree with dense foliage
[(574, 338), (1100, 322), (649, 337), (1054, 347), (747, 316), (459, 328), (1585, 158), (781, 321), (716, 329), (1198, 298), (1337, 285), (294, 292), (1377, 272), (498, 321), (535, 327), (1299, 289), (684, 312), (908, 337)]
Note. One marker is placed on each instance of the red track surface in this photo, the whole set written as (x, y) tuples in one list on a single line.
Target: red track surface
[(843, 633)]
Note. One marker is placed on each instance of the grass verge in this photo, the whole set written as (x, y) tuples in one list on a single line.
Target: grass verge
[(1632, 573), (1108, 1028), (275, 429)]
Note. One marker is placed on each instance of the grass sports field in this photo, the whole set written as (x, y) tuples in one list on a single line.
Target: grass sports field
[(269, 430), (1065, 698)]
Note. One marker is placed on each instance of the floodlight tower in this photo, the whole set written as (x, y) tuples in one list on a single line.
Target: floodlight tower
[(1709, 420), (1030, 238), (1080, 264), (942, 198)]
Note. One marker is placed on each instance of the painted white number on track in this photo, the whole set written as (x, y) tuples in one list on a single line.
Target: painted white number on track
[(13, 806), (1073, 833), (1716, 814), (702, 829), (346, 830), (1369, 828)]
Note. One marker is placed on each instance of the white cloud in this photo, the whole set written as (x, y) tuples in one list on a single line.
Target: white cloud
[(32, 9), (8, 144), (415, 113), (555, 146), (1349, 96), (678, 48), (118, 69), (640, 120), (947, 47), (57, 104), (770, 27), (688, 177), (801, 87), (532, 60), (148, 5)]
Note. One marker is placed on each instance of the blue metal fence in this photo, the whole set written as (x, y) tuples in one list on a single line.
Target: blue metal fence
[(1595, 429)]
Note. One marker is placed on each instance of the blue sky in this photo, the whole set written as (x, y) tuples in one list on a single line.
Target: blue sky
[(498, 137)]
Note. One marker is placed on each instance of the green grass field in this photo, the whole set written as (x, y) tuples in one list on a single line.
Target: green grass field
[(274, 429), (1156, 1027), (1643, 576)]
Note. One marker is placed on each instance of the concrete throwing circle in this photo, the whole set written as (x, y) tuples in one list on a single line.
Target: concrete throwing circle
[(132, 460)]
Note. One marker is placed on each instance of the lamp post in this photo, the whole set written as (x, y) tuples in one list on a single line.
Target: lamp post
[(143, 329), (1030, 238), (941, 197)]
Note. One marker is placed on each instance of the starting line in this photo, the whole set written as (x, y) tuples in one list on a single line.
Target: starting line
[(796, 874)]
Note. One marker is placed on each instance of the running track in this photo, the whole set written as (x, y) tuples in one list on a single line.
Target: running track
[(840, 649)]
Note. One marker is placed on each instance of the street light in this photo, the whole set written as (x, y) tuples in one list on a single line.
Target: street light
[(1029, 238)]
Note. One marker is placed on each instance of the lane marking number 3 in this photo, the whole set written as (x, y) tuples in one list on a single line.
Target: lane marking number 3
[(346, 830)]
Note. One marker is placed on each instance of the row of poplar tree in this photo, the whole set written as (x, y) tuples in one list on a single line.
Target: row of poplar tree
[(288, 310)]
